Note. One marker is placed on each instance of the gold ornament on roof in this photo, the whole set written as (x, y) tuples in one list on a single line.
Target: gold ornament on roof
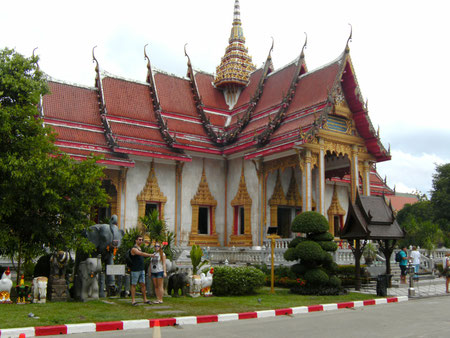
[(236, 65)]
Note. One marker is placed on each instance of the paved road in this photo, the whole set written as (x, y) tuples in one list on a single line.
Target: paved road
[(426, 317)]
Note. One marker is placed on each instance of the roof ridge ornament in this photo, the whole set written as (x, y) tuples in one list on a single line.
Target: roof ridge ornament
[(347, 48), (302, 54)]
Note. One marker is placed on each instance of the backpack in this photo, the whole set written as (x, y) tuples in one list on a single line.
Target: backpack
[(398, 257), (128, 258)]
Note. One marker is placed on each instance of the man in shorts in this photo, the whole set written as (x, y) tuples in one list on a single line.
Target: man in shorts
[(138, 270)]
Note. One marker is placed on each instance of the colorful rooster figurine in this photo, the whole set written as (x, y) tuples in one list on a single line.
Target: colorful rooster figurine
[(5, 287), (22, 291)]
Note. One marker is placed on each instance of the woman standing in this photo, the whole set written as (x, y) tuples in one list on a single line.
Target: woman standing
[(446, 266), (158, 271)]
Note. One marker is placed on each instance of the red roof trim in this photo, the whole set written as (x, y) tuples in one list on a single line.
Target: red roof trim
[(198, 149), (150, 154), (62, 123), (65, 144), (182, 117), (139, 140), (240, 147), (110, 162), (132, 122), (269, 151)]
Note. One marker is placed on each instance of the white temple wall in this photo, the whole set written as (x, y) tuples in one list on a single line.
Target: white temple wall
[(136, 178), (165, 174), (253, 188)]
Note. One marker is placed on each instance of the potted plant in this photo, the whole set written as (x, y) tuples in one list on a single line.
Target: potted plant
[(370, 253)]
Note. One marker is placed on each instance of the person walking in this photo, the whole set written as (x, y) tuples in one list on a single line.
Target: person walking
[(415, 256), (446, 266), (403, 264), (158, 272), (138, 270)]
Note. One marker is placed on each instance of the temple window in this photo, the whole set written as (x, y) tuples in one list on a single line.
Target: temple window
[(203, 226), (151, 198), (242, 206)]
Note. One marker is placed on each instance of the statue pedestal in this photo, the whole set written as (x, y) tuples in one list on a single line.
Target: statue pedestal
[(57, 289)]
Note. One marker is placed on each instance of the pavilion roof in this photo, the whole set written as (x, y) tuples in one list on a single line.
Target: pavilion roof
[(371, 218)]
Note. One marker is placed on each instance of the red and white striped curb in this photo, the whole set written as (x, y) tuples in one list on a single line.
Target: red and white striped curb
[(149, 323)]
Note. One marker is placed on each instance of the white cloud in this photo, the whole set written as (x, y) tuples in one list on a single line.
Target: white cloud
[(409, 172)]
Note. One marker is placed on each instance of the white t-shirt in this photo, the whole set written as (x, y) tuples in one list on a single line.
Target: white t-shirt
[(415, 255), (156, 263)]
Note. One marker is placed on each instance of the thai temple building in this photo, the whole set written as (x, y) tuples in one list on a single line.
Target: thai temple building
[(230, 157)]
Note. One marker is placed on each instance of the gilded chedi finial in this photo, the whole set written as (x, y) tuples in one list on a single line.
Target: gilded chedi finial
[(236, 65)]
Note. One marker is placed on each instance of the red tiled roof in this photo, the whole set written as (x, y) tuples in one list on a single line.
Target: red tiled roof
[(248, 92), (276, 86), (398, 201), (211, 97), (175, 95), (71, 103), (128, 99), (313, 88)]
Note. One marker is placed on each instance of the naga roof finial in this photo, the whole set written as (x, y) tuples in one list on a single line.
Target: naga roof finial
[(302, 54), (94, 59), (347, 48)]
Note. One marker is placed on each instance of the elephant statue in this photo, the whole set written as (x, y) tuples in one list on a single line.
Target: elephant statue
[(58, 264), (87, 280), (178, 281), (107, 238), (40, 289)]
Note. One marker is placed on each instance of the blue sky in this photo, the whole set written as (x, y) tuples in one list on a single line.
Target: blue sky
[(400, 53)]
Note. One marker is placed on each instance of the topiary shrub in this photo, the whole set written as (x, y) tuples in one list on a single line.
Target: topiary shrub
[(316, 271), (236, 281), (310, 222)]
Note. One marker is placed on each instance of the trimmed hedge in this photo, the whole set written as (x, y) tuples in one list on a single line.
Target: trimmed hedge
[(236, 281)]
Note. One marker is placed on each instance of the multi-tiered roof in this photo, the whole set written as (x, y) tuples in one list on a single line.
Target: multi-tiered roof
[(170, 117)]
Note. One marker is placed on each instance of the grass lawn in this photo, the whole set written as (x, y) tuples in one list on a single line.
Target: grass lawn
[(113, 309)]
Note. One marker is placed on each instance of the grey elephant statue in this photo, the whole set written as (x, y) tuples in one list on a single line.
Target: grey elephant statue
[(178, 282), (107, 238), (87, 280)]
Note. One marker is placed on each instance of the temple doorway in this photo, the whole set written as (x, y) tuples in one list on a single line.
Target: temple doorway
[(284, 216)]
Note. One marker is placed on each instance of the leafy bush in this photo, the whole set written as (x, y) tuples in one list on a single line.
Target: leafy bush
[(295, 241), (328, 246), (235, 281), (316, 276), (324, 236), (310, 222), (196, 255)]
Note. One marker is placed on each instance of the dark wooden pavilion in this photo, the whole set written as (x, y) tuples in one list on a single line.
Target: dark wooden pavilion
[(371, 218)]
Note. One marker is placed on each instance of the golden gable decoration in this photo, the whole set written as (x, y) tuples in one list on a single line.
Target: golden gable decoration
[(242, 198), (203, 197), (278, 199), (293, 197), (151, 193)]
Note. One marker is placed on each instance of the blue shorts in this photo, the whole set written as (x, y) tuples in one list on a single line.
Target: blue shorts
[(158, 274), (137, 277)]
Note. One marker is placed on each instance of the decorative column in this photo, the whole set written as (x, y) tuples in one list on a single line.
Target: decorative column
[(321, 171), (366, 178), (354, 173), (305, 165)]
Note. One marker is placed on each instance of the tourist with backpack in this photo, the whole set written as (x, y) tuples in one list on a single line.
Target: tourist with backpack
[(138, 269), (402, 258)]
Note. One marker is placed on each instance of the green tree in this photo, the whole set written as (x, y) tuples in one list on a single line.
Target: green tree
[(440, 200), (45, 196)]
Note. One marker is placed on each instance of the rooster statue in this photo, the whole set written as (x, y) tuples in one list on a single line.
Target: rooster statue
[(22, 291), (5, 287), (206, 282)]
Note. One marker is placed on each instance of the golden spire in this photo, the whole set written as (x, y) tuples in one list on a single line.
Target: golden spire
[(236, 65)]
